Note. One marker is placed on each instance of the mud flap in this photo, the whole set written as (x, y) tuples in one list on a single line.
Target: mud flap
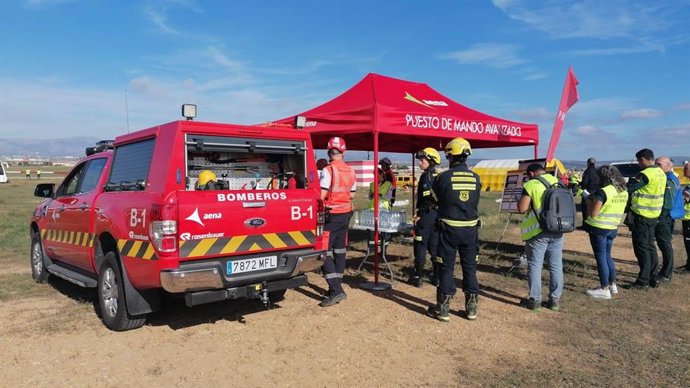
[(139, 302)]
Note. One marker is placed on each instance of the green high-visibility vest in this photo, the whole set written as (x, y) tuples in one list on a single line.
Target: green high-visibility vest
[(686, 217), (535, 189), (648, 200), (611, 211)]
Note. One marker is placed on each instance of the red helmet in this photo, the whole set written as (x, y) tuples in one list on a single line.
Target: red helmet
[(337, 143)]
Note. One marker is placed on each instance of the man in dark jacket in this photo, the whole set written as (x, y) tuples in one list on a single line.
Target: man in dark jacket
[(590, 184)]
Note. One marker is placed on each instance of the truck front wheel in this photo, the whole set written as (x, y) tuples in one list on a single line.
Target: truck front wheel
[(38, 266), (111, 298)]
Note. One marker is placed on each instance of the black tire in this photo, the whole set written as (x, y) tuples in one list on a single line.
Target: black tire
[(276, 296), (112, 300), (37, 260)]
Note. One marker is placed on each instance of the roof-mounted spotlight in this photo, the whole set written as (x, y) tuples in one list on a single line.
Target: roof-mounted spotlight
[(189, 111), (300, 122)]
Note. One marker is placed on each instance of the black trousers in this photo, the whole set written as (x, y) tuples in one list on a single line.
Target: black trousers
[(664, 240), (585, 212), (425, 240), (645, 250), (334, 265), (462, 241), (686, 240)]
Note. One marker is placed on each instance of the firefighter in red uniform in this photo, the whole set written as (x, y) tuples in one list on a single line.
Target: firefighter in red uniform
[(338, 186), (457, 192), (426, 234)]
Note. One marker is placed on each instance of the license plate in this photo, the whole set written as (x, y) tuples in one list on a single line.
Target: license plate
[(253, 264)]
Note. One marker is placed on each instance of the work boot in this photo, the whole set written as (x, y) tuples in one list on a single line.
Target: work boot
[(415, 280), (333, 298), (471, 302), (442, 309)]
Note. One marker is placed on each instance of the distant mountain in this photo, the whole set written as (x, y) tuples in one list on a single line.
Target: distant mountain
[(72, 146)]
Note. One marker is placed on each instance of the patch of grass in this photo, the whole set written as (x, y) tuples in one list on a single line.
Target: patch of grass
[(15, 216), (21, 285)]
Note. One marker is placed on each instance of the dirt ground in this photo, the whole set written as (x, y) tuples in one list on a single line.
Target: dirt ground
[(370, 340)]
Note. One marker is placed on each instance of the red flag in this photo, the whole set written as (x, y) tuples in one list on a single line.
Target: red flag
[(568, 99)]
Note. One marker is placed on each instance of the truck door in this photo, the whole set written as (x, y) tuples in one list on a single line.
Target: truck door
[(68, 236), (56, 234)]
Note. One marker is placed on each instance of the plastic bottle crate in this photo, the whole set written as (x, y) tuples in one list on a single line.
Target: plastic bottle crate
[(389, 221)]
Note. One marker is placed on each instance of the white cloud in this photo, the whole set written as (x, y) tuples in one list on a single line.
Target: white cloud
[(147, 86), (535, 114), (42, 3), (642, 23), (496, 55), (222, 59), (158, 18), (157, 11), (586, 129), (640, 114), (535, 76), (605, 105)]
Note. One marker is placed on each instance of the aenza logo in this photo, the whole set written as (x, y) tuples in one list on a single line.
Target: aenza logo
[(436, 103), (255, 222), (426, 103)]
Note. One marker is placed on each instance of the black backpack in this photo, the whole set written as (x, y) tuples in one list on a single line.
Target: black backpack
[(557, 214)]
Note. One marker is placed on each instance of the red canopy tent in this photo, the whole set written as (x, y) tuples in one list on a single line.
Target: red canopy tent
[(407, 116), (393, 115)]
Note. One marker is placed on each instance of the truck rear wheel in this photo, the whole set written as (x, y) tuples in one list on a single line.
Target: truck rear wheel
[(38, 267), (111, 298)]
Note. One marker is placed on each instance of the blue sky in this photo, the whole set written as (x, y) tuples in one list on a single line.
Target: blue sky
[(66, 64)]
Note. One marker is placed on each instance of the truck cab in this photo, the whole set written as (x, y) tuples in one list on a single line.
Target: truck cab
[(202, 211)]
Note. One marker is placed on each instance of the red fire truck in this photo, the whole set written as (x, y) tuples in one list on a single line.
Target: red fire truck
[(203, 211)]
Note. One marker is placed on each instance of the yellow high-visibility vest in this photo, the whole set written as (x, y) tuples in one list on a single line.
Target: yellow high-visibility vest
[(648, 200), (611, 211), (535, 189)]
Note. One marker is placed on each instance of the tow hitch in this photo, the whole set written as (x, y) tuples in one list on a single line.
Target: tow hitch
[(264, 295)]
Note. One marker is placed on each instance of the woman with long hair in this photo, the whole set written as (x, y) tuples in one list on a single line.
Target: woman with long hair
[(606, 208)]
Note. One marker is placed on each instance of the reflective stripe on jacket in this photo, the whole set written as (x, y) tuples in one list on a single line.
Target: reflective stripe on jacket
[(342, 179), (535, 189), (611, 211), (649, 200)]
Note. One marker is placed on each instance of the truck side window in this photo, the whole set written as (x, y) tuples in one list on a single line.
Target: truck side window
[(71, 184), (131, 165), (92, 175)]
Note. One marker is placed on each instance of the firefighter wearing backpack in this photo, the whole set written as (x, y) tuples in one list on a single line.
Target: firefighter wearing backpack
[(426, 234), (540, 244), (647, 200), (457, 192), (338, 187)]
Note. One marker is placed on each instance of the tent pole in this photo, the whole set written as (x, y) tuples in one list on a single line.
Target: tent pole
[(376, 285), (535, 151), (376, 207)]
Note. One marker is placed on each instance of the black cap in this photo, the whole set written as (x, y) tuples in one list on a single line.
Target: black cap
[(535, 167)]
